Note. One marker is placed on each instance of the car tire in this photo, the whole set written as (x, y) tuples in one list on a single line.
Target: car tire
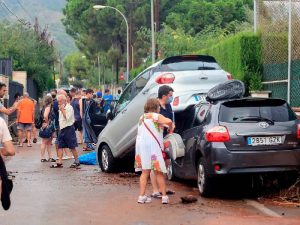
[(205, 183), (170, 171), (106, 159)]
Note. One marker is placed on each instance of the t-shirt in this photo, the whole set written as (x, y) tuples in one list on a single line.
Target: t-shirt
[(108, 99), (56, 113), (69, 120), (4, 133), (26, 111), (168, 113), (76, 108), (2, 115)]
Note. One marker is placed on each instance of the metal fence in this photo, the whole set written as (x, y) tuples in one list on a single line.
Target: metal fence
[(279, 24)]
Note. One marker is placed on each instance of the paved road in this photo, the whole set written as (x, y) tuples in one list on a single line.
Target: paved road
[(44, 196)]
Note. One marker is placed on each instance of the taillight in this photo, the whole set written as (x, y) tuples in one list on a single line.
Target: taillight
[(166, 78), (176, 101), (217, 134), (229, 76), (298, 131)]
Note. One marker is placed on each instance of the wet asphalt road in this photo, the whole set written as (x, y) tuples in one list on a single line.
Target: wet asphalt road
[(44, 196)]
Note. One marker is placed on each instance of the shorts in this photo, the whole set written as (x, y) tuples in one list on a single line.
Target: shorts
[(24, 126), (67, 138), (78, 125)]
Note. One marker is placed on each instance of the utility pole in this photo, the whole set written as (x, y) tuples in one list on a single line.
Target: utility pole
[(157, 15), (152, 32), (99, 74)]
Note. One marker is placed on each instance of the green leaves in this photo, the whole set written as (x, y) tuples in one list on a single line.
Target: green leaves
[(29, 53)]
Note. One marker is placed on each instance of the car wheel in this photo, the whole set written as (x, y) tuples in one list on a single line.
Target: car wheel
[(107, 161), (205, 183), (170, 171)]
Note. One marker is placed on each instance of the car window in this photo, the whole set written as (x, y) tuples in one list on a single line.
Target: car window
[(241, 111), (188, 63), (141, 81), (124, 99)]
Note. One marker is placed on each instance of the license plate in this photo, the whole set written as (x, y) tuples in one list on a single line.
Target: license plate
[(200, 98), (273, 140)]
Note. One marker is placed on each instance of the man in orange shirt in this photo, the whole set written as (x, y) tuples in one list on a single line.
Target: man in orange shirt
[(25, 118)]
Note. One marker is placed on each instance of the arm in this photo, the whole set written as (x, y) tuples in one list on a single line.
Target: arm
[(46, 114), (8, 149), (9, 110), (165, 121), (80, 107)]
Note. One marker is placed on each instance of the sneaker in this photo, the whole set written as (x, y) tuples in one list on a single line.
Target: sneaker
[(144, 199), (165, 200), (156, 195), (65, 158)]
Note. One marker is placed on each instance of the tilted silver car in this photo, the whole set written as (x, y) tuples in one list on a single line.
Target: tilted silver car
[(191, 76)]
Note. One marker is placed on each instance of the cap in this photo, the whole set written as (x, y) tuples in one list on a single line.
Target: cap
[(99, 94)]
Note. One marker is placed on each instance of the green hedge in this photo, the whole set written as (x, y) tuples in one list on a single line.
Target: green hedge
[(240, 55)]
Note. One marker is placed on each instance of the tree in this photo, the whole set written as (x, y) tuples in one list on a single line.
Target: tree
[(32, 50), (77, 66)]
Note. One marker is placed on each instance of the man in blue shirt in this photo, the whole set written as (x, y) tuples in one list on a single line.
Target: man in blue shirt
[(108, 98)]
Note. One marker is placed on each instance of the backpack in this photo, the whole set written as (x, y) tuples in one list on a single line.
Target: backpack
[(39, 120)]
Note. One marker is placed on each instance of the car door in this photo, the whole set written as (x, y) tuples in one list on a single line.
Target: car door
[(94, 119), (190, 138), (128, 111)]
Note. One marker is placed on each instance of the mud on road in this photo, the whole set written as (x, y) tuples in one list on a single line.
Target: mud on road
[(45, 196)]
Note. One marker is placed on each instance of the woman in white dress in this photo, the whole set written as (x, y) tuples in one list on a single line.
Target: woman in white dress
[(149, 145)]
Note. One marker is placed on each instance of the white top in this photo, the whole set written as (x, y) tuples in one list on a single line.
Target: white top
[(70, 118), (4, 133), (148, 155)]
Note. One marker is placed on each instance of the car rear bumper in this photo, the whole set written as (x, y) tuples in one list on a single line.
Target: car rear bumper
[(253, 162)]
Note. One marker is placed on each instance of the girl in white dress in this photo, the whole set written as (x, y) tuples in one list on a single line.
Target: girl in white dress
[(149, 145)]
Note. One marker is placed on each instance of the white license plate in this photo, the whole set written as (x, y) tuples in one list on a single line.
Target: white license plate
[(273, 140)]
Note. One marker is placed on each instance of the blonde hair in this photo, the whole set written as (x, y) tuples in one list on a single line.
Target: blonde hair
[(151, 105), (48, 100)]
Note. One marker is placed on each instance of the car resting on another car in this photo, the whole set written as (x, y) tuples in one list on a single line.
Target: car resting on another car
[(190, 76), (230, 134)]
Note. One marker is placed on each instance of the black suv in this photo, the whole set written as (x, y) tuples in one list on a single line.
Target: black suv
[(243, 135)]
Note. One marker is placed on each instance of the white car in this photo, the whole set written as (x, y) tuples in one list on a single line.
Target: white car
[(191, 76)]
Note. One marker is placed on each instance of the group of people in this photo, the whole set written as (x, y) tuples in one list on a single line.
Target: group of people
[(156, 122), (62, 115)]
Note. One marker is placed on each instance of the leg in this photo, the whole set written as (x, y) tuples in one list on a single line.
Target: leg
[(28, 135), (48, 146), (161, 182), (154, 184), (60, 155), (20, 134), (43, 148), (75, 154), (143, 181), (80, 137)]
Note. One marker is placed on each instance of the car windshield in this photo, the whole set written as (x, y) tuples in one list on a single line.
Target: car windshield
[(252, 111), (188, 63)]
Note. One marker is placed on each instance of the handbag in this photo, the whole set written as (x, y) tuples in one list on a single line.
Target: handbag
[(47, 131), (50, 129), (7, 186), (164, 153)]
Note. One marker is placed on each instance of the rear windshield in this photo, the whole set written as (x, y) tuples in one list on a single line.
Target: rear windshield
[(187, 63), (241, 111)]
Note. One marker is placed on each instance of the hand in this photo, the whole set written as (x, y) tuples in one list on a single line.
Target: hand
[(44, 125)]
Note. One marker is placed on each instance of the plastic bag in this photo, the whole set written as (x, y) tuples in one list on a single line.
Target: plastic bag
[(88, 159)]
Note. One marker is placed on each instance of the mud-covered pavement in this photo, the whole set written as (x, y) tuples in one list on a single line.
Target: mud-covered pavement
[(43, 196)]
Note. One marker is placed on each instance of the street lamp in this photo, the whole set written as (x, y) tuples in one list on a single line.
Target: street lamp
[(97, 7)]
